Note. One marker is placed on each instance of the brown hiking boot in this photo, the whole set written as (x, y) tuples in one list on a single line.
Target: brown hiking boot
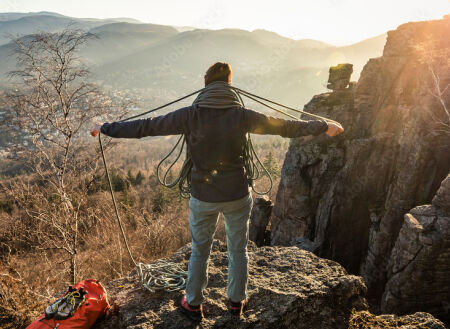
[(194, 313), (237, 308)]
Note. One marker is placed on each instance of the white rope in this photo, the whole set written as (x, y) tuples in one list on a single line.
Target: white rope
[(162, 275)]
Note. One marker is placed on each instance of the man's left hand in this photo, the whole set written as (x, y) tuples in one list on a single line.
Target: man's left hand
[(334, 129)]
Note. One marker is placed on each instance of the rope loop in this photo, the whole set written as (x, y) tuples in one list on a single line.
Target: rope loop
[(162, 275)]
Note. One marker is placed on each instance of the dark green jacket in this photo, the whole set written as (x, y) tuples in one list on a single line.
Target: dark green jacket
[(215, 140)]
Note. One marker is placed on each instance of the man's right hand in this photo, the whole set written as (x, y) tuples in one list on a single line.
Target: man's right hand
[(95, 130), (334, 129)]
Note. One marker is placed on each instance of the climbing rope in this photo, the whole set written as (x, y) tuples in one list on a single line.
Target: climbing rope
[(157, 276), (162, 276), (114, 200), (166, 275)]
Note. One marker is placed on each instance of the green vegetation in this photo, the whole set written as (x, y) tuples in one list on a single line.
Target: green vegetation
[(271, 165), (135, 179), (7, 206)]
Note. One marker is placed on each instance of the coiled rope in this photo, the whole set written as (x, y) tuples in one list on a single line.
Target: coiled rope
[(169, 276), (162, 276)]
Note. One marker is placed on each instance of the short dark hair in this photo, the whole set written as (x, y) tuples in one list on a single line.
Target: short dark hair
[(219, 71)]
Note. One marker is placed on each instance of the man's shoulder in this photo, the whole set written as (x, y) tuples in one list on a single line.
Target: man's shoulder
[(187, 108)]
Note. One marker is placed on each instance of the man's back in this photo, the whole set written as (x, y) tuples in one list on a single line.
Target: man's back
[(215, 141)]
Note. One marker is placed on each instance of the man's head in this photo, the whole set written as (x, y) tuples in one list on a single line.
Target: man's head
[(219, 71)]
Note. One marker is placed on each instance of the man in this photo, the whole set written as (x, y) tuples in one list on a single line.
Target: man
[(215, 126)]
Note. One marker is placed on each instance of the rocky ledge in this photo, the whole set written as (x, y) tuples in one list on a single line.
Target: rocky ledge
[(419, 266), (345, 198), (288, 288), (419, 320)]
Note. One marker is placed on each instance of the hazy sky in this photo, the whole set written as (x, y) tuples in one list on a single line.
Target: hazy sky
[(334, 21)]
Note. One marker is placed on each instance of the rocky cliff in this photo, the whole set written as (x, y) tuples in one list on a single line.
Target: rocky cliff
[(345, 198), (418, 271), (288, 288)]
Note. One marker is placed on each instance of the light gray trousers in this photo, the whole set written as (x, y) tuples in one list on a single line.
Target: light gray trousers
[(203, 223)]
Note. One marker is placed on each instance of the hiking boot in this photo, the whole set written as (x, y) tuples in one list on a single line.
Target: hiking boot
[(194, 313), (51, 310), (70, 304), (237, 308)]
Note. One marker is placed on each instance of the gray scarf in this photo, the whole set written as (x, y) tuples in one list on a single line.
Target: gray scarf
[(218, 95)]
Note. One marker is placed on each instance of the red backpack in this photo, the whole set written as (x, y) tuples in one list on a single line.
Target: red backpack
[(92, 309)]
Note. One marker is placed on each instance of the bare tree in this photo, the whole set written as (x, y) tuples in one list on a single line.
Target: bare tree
[(53, 100), (48, 225), (437, 60)]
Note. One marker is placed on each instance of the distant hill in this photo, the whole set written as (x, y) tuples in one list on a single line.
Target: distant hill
[(118, 40), (192, 50), (125, 27), (14, 16), (27, 23), (261, 60), (130, 54), (276, 39)]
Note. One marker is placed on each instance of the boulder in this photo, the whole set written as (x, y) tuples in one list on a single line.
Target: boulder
[(259, 219), (339, 76), (419, 266), (419, 320), (288, 288), (442, 197)]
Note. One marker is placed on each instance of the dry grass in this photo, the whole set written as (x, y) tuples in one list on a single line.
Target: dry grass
[(32, 277), (19, 304), (34, 274)]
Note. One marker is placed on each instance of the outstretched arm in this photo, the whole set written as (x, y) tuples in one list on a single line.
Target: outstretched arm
[(258, 123), (173, 123)]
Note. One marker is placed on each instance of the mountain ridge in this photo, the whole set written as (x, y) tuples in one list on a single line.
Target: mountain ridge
[(149, 56)]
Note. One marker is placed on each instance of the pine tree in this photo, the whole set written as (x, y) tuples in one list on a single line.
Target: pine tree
[(131, 178), (271, 165), (159, 199), (139, 178), (135, 180), (128, 198)]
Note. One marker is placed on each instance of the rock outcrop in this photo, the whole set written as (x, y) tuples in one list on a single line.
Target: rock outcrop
[(288, 288), (346, 197), (442, 197), (419, 320), (419, 266), (259, 219), (339, 76)]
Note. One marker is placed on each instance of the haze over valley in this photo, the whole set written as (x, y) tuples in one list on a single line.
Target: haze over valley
[(157, 62)]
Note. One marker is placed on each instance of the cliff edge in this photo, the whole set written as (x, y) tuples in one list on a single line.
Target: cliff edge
[(345, 198), (288, 288)]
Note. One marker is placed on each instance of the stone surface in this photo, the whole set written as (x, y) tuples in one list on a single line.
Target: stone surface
[(442, 197), (259, 219), (304, 243), (288, 288), (348, 195), (419, 266), (339, 76), (419, 320)]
